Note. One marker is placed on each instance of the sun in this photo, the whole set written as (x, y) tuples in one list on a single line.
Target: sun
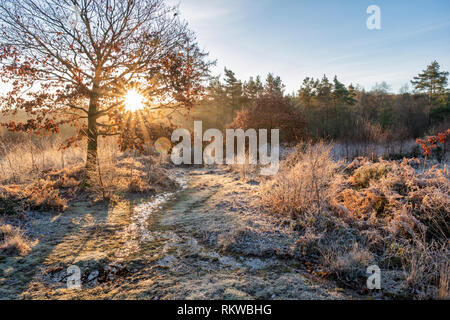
[(134, 101)]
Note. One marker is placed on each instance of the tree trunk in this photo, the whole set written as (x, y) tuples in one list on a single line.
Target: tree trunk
[(92, 135), (91, 161)]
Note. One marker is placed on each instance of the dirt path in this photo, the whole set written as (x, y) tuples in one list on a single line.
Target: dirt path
[(206, 241)]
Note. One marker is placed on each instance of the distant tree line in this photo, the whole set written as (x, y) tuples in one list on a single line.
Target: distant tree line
[(324, 109)]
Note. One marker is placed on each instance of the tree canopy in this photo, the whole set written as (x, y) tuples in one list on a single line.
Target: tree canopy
[(73, 61), (432, 81)]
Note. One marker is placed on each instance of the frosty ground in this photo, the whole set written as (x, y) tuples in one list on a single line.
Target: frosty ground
[(205, 241)]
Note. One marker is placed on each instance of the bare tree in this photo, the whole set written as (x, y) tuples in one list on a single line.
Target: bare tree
[(72, 62)]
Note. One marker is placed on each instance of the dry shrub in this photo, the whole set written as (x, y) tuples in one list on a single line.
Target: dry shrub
[(409, 208), (66, 178), (13, 242), (365, 174), (25, 160), (137, 175), (368, 132), (400, 199), (12, 200), (37, 175), (46, 198), (49, 192), (444, 281), (302, 185), (273, 111), (347, 262), (22, 162), (308, 245), (15, 199), (246, 171), (426, 269), (387, 212)]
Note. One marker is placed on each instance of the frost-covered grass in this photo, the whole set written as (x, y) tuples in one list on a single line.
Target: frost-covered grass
[(391, 213), (13, 241), (38, 175)]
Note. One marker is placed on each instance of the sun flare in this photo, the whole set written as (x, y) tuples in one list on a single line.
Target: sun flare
[(134, 101)]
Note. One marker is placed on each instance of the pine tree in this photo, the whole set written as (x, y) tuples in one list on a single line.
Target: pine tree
[(307, 92), (274, 84), (233, 87), (324, 89), (351, 97), (433, 82), (253, 88), (340, 92), (235, 95)]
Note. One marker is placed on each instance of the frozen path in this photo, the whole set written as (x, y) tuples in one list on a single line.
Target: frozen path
[(206, 241)]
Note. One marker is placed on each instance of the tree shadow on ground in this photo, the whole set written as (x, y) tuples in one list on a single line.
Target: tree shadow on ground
[(84, 235)]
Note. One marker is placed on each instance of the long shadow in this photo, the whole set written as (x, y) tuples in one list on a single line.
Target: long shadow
[(17, 273)]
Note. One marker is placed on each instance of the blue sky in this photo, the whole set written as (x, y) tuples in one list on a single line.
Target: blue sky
[(300, 38)]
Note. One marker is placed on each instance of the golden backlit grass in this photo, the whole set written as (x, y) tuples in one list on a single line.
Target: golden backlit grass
[(13, 241), (392, 213)]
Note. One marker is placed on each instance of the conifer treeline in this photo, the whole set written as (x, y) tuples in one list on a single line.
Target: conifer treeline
[(331, 109)]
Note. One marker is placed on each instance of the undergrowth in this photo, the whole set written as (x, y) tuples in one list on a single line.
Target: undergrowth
[(349, 216)]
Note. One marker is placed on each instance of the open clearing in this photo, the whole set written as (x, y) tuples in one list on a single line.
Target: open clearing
[(205, 241)]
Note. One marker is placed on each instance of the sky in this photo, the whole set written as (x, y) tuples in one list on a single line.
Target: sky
[(305, 38)]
